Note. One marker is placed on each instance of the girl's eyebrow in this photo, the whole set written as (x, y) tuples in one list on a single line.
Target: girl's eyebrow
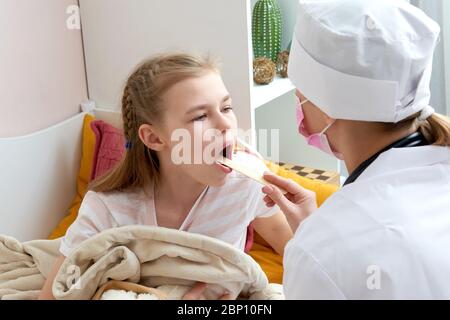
[(204, 106), (197, 108)]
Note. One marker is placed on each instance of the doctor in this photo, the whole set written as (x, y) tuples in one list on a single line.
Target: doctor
[(362, 69)]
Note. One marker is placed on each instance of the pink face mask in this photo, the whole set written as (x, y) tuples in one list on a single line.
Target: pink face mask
[(317, 140)]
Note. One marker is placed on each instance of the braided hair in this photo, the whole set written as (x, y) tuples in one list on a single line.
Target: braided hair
[(142, 104), (129, 118)]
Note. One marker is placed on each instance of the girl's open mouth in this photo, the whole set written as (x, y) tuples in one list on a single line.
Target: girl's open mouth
[(227, 152)]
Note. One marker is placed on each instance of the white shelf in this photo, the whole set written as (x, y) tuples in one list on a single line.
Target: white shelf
[(262, 94)]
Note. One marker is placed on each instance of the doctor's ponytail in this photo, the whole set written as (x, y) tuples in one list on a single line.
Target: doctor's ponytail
[(436, 129)]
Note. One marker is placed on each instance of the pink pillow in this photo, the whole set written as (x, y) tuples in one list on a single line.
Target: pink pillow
[(249, 240), (109, 149)]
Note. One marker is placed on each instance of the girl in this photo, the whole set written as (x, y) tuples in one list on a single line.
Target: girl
[(165, 95)]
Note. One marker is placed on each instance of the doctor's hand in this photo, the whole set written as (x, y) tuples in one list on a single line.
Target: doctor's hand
[(297, 204)]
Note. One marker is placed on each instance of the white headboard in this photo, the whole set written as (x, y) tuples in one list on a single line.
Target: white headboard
[(38, 176)]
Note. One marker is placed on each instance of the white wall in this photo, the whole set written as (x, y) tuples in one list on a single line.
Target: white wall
[(42, 78), (293, 148), (446, 36), (120, 34), (439, 10)]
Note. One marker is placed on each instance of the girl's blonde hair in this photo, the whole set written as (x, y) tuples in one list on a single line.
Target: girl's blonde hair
[(142, 104)]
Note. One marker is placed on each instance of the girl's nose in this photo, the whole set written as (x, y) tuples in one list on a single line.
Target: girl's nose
[(223, 123)]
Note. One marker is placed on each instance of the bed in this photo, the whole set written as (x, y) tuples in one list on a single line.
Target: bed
[(38, 176), (38, 183)]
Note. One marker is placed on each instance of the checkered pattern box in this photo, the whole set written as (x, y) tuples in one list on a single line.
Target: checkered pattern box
[(313, 174)]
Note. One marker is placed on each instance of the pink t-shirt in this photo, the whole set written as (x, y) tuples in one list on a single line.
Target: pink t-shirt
[(220, 212)]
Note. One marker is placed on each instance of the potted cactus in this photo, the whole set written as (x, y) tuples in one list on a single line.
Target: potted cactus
[(267, 29)]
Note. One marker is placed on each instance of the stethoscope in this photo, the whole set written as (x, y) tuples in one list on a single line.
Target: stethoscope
[(416, 139)]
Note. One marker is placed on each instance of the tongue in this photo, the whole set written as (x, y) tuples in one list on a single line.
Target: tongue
[(225, 169)]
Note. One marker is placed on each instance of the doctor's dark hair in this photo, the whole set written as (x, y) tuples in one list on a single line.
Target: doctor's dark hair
[(142, 104), (436, 129)]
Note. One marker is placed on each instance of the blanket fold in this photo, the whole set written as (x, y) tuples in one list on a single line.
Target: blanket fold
[(170, 260)]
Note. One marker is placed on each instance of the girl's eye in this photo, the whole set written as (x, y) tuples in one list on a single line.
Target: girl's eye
[(201, 118), (227, 109)]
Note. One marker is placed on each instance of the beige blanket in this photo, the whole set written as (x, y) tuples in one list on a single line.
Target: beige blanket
[(167, 259)]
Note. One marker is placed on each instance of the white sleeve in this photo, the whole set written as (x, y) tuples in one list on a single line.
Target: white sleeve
[(304, 277), (257, 207), (93, 217)]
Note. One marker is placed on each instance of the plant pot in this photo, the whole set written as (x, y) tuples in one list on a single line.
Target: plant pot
[(267, 29)]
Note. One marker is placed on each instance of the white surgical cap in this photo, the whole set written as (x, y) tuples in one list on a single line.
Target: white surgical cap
[(367, 60)]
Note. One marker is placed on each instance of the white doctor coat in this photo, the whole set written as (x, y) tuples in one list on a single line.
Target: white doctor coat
[(386, 236)]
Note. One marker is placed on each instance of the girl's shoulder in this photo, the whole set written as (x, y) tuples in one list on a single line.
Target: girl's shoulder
[(117, 200)]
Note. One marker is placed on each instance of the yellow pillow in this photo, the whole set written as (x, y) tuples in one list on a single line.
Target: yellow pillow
[(264, 255), (322, 190), (87, 155)]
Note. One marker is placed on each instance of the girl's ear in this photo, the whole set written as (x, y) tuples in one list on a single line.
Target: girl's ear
[(151, 138)]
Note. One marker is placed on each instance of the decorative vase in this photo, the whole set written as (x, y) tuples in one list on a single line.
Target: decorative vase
[(282, 63), (264, 70), (267, 29)]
